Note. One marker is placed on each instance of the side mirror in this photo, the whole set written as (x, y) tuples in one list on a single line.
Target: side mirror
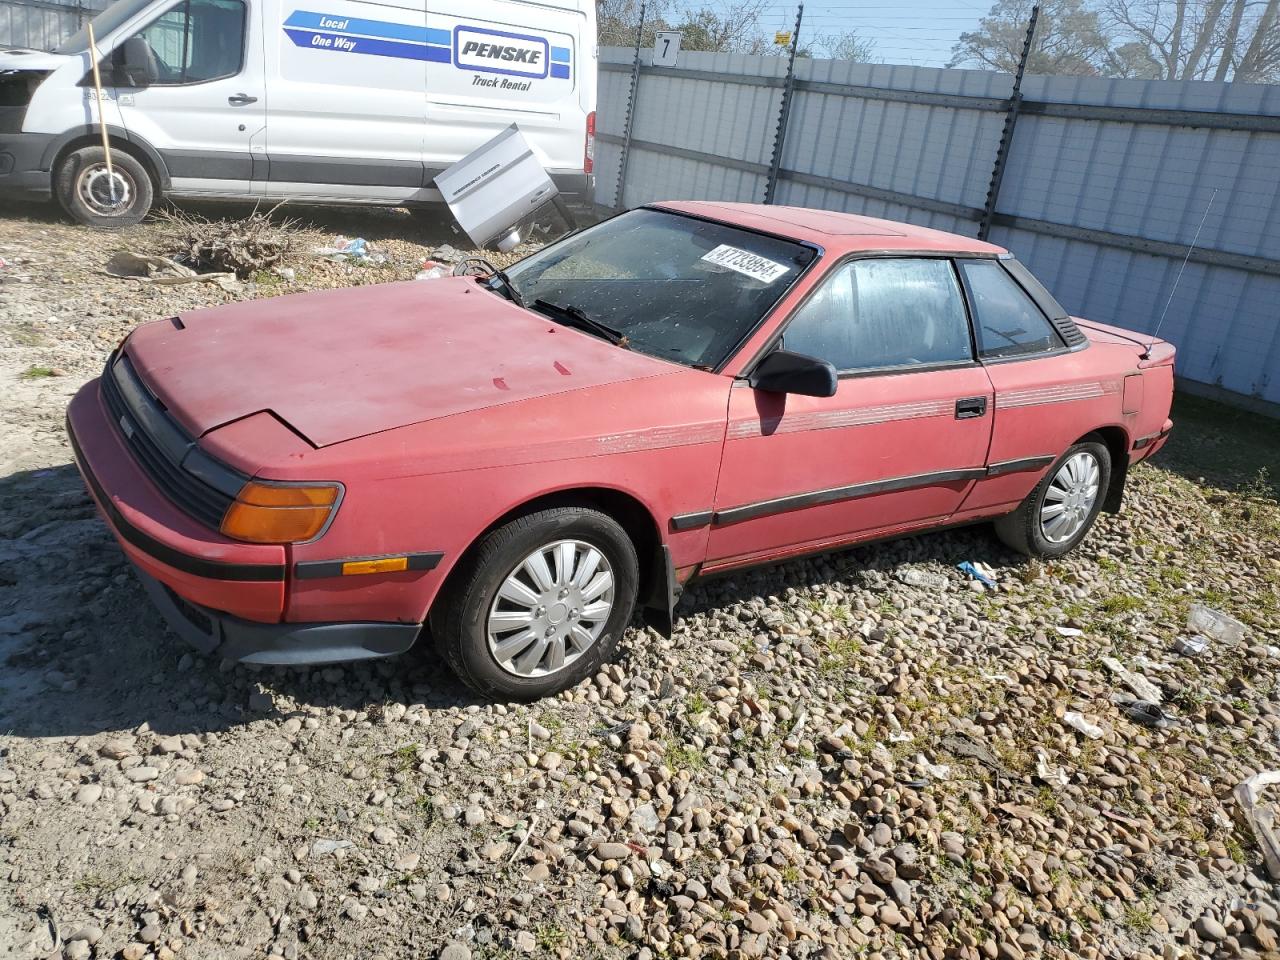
[(785, 372), (134, 64)]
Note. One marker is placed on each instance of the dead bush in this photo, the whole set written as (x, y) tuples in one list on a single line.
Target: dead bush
[(241, 246)]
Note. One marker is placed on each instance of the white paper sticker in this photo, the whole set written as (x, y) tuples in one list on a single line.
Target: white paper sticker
[(748, 264)]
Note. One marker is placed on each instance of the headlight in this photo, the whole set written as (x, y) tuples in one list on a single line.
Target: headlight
[(281, 512)]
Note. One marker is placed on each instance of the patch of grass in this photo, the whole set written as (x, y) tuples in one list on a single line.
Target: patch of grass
[(697, 704), (404, 758), (679, 756), (1119, 603), (102, 883), (427, 809), (1138, 916), (550, 936), (37, 373)]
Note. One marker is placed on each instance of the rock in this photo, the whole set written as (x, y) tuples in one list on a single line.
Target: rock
[(141, 774), (117, 748), (612, 851), (90, 934), (77, 950), (134, 951), (473, 816), (537, 873), (384, 835), (1211, 929), (89, 793), (455, 951)]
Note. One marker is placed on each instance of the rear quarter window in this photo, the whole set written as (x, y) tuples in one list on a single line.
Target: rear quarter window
[(1008, 323)]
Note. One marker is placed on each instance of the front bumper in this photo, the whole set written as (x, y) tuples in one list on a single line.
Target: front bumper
[(222, 596), (22, 173)]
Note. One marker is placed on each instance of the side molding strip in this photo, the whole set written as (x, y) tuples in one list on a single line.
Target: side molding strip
[(1019, 466), (691, 521), (316, 569)]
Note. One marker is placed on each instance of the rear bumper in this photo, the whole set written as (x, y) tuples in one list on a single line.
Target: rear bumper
[(21, 159), (281, 643), (1147, 446)]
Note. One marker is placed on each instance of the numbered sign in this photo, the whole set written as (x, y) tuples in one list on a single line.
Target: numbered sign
[(782, 38), (666, 47)]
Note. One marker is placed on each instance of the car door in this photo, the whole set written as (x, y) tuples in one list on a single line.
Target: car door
[(899, 445), (205, 110), (1048, 393)]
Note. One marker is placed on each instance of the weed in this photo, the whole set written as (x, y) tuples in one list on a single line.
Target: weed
[(550, 936), (684, 757), (37, 373)]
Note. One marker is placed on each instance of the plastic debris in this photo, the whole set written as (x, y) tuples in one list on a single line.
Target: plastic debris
[(1078, 722), (1144, 712), (915, 577), (1049, 774), (980, 572), (321, 847), (161, 270), (1069, 631), (431, 270), (1144, 688), (938, 771), (448, 253), (1214, 623), (1191, 646), (355, 250), (1262, 818)]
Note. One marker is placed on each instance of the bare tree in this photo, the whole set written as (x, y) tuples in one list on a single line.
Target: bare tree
[(846, 46), (1069, 39), (730, 27), (1198, 39)]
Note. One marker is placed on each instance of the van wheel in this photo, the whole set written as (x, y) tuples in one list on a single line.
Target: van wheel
[(539, 604), (96, 198), (1059, 512)]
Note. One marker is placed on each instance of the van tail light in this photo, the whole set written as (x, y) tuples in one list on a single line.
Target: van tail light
[(589, 149)]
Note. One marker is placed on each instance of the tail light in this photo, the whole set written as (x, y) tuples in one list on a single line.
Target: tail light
[(589, 149)]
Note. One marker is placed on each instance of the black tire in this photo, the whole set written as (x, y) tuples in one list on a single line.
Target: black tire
[(459, 623), (82, 177), (1023, 531)]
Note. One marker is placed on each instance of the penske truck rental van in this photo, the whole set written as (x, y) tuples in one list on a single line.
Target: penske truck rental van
[(337, 101)]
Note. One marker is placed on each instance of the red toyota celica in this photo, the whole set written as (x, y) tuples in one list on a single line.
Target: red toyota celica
[(514, 462)]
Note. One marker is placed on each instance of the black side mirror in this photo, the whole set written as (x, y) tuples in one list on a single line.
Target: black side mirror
[(785, 372), (134, 64)]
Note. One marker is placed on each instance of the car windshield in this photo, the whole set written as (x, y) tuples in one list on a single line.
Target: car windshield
[(103, 24), (673, 286)]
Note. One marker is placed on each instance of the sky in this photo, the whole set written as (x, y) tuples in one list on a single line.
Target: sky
[(916, 32)]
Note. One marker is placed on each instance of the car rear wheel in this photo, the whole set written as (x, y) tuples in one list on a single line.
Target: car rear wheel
[(98, 197), (1059, 512), (539, 604)]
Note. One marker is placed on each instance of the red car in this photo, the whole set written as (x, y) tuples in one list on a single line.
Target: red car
[(520, 459)]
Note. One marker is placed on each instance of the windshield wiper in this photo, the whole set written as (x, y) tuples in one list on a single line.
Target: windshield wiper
[(576, 317), (508, 287)]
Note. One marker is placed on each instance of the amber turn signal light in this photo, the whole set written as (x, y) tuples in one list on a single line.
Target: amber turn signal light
[(280, 512)]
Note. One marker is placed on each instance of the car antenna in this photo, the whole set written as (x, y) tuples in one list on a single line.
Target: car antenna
[(1178, 279)]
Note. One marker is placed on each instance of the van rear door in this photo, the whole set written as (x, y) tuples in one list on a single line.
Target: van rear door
[(510, 61)]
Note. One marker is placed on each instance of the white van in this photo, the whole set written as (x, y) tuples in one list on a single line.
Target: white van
[(335, 101)]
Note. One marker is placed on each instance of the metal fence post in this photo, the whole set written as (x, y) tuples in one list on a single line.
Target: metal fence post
[(619, 191), (784, 112), (1006, 135)]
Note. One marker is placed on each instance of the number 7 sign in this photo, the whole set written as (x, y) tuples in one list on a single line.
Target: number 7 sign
[(666, 47)]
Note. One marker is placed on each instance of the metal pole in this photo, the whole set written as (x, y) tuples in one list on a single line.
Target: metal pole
[(619, 192), (1006, 135), (784, 112)]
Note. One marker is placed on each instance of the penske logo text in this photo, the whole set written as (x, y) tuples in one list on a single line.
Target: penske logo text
[(493, 51)]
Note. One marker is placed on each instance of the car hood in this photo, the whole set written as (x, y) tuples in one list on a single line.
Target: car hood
[(348, 363)]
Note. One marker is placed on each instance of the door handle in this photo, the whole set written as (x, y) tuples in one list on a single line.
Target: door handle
[(240, 99), (971, 407)]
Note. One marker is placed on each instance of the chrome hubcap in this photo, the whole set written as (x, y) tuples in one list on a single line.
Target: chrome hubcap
[(107, 194), (550, 609), (1070, 498)]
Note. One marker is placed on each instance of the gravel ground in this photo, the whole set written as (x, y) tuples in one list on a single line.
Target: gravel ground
[(859, 755)]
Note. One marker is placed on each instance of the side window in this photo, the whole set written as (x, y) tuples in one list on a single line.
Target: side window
[(1008, 322), (196, 41), (880, 313)]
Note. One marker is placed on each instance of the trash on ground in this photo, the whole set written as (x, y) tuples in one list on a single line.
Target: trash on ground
[(915, 577), (1078, 722), (447, 253), (1050, 775), (1069, 631), (980, 572), (1214, 623), (1144, 688), (355, 250), (1143, 711), (321, 847), (432, 270), (287, 274), (938, 771), (147, 268), (1262, 818), (1191, 646)]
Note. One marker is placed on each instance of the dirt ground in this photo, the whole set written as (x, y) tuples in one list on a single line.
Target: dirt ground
[(859, 755)]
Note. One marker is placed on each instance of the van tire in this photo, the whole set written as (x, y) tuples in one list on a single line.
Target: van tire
[(82, 186)]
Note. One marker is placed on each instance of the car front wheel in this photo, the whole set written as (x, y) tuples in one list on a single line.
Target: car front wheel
[(540, 604), (1060, 510)]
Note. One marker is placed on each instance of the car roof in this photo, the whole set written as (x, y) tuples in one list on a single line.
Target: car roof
[(837, 232)]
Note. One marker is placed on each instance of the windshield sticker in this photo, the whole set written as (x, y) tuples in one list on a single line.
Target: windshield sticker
[(746, 263)]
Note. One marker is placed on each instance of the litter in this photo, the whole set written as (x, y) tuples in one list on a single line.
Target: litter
[(1069, 631), (448, 253), (1077, 720), (1048, 774), (1214, 623), (161, 270), (1144, 688), (938, 771), (431, 270), (1144, 712), (914, 577), (980, 572), (1262, 818), (355, 250), (321, 847), (1191, 646)]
